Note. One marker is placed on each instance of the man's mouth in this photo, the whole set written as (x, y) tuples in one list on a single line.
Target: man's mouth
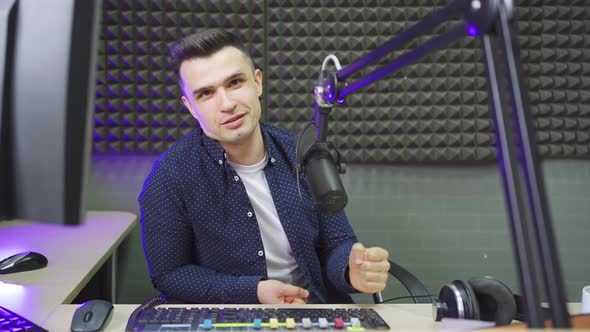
[(233, 118)]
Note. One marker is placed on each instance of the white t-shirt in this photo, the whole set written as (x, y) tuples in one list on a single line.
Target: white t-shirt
[(280, 262)]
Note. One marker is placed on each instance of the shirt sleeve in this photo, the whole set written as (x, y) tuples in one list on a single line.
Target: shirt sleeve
[(336, 241), (168, 247)]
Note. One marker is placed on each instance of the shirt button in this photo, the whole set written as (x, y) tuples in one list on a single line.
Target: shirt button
[(220, 162), (272, 160), (237, 178), (261, 253), (249, 214)]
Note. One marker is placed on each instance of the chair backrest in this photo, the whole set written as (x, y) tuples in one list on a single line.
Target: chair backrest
[(416, 289)]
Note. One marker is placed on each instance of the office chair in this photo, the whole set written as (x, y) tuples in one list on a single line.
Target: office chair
[(416, 289)]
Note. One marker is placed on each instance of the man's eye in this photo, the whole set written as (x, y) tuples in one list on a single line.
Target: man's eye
[(234, 82), (204, 93)]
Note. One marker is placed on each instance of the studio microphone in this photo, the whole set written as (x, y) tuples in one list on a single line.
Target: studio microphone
[(321, 171)]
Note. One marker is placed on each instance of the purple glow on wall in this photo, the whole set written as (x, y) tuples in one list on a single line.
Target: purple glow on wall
[(141, 138), (111, 78), (127, 138), (126, 123), (112, 122), (140, 122), (139, 93), (472, 30), (126, 107), (113, 137), (111, 107), (97, 137)]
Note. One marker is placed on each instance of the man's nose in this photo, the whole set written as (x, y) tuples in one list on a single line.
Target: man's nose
[(227, 102)]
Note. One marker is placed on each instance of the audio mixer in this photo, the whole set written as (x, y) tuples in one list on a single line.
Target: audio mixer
[(257, 319)]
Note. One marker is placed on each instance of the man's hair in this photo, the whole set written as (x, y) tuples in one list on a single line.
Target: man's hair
[(201, 45)]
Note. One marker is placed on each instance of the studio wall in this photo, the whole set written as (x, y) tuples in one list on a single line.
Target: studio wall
[(422, 180)]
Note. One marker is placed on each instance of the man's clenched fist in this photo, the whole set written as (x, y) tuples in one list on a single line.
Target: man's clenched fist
[(368, 268)]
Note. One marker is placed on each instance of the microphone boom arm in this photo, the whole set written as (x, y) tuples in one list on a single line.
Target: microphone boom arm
[(532, 234)]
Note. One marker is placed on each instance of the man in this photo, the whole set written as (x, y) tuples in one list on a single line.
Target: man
[(221, 217)]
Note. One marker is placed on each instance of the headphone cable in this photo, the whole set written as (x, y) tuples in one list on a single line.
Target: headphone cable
[(407, 297)]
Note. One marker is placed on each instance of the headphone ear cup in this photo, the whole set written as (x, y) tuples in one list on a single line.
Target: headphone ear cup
[(496, 301), (456, 300), (470, 301)]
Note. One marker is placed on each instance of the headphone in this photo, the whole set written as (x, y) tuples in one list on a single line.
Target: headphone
[(482, 298)]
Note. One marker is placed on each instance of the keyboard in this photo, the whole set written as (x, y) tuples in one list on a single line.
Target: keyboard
[(11, 321), (257, 319)]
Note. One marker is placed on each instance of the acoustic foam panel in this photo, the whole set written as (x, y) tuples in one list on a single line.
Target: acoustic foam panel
[(138, 107), (435, 110)]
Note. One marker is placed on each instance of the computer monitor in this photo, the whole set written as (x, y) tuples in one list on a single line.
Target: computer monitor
[(48, 51), (7, 13)]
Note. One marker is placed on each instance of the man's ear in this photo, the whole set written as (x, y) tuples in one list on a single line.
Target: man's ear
[(188, 105), (258, 81)]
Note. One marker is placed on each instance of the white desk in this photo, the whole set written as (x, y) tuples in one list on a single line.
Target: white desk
[(398, 316), (74, 253)]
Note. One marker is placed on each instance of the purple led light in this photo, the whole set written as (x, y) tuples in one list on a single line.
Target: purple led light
[(13, 293), (472, 30)]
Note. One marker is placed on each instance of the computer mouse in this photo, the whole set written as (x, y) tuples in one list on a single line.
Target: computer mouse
[(91, 316), (24, 261)]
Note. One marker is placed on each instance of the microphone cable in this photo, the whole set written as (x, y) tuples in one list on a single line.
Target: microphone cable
[(334, 60)]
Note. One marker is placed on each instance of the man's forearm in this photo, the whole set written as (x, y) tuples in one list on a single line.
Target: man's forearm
[(196, 284)]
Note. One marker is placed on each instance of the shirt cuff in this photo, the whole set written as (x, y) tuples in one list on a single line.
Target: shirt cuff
[(243, 291), (338, 269)]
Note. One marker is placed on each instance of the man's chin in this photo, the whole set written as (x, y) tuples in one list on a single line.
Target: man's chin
[(236, 137)]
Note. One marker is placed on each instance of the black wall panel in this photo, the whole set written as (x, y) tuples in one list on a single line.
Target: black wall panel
[(435, 110)]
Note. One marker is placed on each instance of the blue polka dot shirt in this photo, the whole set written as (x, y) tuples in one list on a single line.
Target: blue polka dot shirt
[(200, 234)]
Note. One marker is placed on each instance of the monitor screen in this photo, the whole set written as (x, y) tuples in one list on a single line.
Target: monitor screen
[(47, 103)]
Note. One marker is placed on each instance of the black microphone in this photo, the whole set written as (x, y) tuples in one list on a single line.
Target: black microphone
[(321, 171)]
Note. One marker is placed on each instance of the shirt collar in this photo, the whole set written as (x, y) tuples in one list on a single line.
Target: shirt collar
[(217, 153)]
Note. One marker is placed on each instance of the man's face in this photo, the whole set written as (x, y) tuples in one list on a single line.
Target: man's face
[(221, 91)]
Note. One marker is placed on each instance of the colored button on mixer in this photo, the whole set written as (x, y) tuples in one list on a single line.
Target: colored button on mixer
[(257, 324), (207, 324), (323, 323), (339, 323), (291, 323), (274, 323)]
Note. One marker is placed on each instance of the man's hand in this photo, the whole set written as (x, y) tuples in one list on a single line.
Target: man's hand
[(276, 292), (368, 268)]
